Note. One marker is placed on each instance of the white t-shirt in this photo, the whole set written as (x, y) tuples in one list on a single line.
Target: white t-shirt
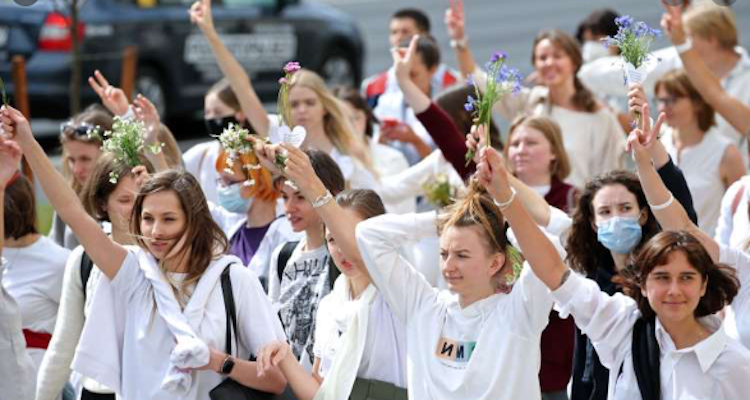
[(718, 367), (733, 228), (384, 356), (16, 367), (488, 350), (34, 276), (148, 343)]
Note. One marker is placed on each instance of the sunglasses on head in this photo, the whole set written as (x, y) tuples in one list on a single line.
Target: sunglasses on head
[(68, 128)]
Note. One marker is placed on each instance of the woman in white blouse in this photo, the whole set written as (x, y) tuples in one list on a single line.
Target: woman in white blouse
[(663, 342), (360, 344), (158, 321), (591, 132)]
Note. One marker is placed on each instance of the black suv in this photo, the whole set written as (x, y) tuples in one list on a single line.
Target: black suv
[(175, 63)]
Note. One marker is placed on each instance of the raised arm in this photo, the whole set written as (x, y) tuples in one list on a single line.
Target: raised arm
[(252, 107), (535, 246), (705, 82), (301, 172), (669, 213), (455, 22), (106, 254)]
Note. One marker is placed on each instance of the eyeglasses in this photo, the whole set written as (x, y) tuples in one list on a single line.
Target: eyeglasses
[(667, 101), (82, 130)]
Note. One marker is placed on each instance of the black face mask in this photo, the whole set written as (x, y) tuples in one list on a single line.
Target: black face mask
[(216, 126)]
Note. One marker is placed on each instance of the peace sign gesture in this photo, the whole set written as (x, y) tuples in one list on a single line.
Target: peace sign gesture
[(112, 97), (403, 59)]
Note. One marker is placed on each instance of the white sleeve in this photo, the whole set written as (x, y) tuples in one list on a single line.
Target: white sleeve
[(559, 222), (612, 152), (55, 368), (740, 261), (225, 219), (532, 302), (257, 322), (379, 240), (409, 182), (607, 320), (726, 218), (274, 284), (192, 159)]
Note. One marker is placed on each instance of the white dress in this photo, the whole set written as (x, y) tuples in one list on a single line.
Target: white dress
[(701, 165), (34, 276)]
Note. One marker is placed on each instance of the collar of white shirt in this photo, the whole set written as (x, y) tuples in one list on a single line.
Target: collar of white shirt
[(707, 350)]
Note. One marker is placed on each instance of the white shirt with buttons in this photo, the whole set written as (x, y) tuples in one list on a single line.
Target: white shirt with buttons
[(716, 368)]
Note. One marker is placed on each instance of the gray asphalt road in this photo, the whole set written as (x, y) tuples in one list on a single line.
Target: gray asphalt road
[(494, 25)]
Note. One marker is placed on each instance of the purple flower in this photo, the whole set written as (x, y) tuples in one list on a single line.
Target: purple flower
[(292, 67), (470, 81), (624, 22), (497, 56), (469, 107)]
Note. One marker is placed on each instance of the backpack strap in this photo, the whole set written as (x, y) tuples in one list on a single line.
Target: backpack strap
[(86, 266), (229, 307), (646, 361), (284, 255)]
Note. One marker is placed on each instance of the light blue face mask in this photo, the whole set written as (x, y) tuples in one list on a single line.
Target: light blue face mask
[(619, 234), (231, 199)]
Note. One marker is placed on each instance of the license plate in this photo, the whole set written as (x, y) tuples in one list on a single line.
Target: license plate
[(3, 36)]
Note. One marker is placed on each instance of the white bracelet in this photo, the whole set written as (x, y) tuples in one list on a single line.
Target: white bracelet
[(685, 46), (664, 205), (322, 200), (460, 44), (502, 206)]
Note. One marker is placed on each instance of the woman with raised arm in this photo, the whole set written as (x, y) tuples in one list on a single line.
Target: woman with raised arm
[(106, 202), (16, 367), (480, 338), (671, 215), (312, 104), (591, 133), (359, 343), (158, 320), (663, 342)]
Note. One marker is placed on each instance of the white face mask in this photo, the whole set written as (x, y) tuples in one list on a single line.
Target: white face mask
[(593, 49)]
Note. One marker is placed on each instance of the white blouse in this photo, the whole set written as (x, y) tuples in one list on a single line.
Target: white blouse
[(16, 367), (716, 368)]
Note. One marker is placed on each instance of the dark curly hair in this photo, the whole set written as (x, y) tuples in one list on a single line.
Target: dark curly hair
[(722, 286), (585, 253)]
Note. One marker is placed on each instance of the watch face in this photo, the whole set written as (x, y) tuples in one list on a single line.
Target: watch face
[(227, 367)]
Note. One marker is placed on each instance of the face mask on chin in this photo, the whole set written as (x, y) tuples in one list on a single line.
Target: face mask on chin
[(592, 49), (619, 234), (215, 126)]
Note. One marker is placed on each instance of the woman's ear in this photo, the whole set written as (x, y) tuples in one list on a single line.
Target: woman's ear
[(644, 216), (498, 262)]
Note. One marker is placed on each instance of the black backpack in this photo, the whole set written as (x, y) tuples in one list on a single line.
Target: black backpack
[(286, 253)]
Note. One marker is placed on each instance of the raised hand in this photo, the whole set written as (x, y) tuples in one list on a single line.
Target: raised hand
[(476, 139), (493, 174), (10, 156), (146, 112), (644, 142), (141, 175), (112, 97), (15, 126), (299, 169), (266, 154), (454, 20), (403, 59), (200, 15), (671, 22), (271, 356), (636, 99)]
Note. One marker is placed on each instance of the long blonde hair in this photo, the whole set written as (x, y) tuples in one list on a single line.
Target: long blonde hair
[(336, 125)]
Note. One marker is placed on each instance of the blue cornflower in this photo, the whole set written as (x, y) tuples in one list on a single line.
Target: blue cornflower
[(497, 56), (625, 21), (469, 107)]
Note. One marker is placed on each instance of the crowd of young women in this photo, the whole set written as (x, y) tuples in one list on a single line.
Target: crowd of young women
[(551, 274)]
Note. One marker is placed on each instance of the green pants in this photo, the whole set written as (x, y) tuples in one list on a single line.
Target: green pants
[(365, 389)]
